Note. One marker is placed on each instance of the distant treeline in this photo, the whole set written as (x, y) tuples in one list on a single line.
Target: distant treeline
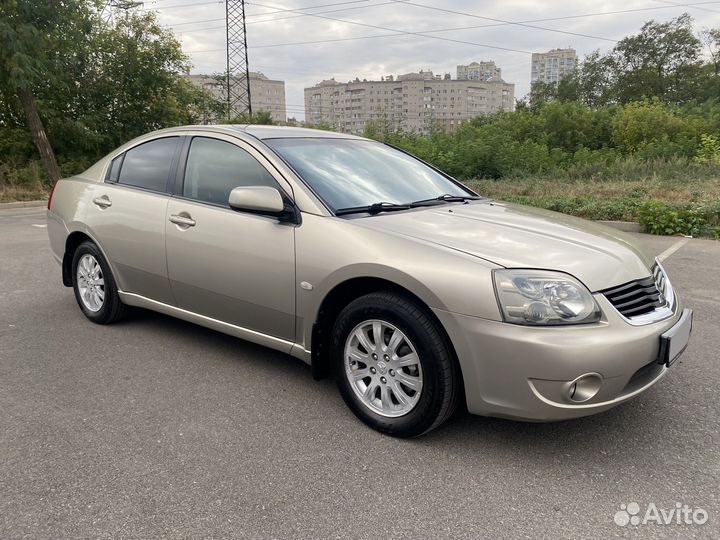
[(568, 137)]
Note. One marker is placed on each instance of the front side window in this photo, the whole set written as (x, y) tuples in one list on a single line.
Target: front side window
[(348, 172), (148, 165), (214, 168)]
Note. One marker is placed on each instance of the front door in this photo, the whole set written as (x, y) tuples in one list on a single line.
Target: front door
[(235, 267)]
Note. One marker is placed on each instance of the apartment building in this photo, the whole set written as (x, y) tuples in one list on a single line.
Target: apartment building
[(265, 94), (479, 71), (410, 102), (550, 67)]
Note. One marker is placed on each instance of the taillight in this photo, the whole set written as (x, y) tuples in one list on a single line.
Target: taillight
[(52, 190)]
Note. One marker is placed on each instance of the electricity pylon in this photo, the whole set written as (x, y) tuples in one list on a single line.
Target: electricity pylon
[(237, 72)]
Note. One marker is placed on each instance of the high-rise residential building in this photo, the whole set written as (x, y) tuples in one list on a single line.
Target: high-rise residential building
[(265, 94), (479, 71), (410, 102), (550, 67)]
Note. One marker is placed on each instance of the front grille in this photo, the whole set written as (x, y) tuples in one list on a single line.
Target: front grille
[(640, 296)]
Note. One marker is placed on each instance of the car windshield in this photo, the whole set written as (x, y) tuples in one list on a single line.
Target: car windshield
[(349, 173)]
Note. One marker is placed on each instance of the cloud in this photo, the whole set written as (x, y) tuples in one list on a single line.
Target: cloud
[(301, 66)]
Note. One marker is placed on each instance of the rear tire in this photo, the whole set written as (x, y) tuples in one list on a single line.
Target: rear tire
[(94, 285), (393, 365)]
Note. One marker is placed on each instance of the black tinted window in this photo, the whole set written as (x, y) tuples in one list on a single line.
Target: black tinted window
[(214, 168), (148, 165)]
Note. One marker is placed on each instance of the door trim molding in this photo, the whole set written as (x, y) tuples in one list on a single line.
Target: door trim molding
[(279, 344)]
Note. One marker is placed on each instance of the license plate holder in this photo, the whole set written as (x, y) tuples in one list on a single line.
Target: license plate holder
[(674, 341)]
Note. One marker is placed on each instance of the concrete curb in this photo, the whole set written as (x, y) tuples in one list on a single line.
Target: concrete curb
[(627, 226), (22, 204)]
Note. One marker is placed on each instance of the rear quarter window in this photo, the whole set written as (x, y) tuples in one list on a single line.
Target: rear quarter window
[(147, 165)]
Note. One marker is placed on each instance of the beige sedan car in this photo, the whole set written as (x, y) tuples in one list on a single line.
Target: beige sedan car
[(359, 259)]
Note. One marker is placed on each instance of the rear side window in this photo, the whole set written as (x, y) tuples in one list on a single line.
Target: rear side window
[(114, 172), (148, 165), (214, 168)]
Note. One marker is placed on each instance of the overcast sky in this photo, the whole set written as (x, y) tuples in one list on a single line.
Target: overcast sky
[(272, 22)]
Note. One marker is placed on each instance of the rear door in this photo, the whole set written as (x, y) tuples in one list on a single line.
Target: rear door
[(236, 267), (126, 216)]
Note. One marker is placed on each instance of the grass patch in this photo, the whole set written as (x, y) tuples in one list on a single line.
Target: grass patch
[(666, 197), (22, 183)]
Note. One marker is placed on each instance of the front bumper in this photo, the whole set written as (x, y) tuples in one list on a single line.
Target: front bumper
[(524, 372)]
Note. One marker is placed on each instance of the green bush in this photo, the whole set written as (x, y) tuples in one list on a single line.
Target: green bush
[(709, 150), (570, 139), (658, 217)]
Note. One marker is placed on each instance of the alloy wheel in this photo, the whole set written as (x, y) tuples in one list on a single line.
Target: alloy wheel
[(383, 368), (91, 283)]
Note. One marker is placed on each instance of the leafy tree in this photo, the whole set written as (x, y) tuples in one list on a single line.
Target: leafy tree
[(133, 83), (86, 84), (542, 92), (710, 38), (594, 79), (662, 61), (258, 117), (36, 40)]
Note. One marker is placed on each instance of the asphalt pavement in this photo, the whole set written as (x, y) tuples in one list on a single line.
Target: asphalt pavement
[(154, 427)]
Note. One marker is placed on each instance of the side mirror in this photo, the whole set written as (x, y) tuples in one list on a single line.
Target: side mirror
[(263, 199)]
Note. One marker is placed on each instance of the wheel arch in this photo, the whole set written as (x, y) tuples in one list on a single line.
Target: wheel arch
[(340, 296), (73, 240)]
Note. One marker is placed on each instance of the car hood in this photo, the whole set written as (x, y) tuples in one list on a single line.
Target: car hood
[(522, 237)]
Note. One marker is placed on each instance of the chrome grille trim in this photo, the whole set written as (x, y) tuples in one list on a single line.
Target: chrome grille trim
[(644, 301)]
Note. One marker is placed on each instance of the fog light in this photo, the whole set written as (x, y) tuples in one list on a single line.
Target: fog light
[(584, 387)]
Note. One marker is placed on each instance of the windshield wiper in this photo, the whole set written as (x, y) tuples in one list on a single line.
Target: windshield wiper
[(443, 199), (372, 209), (378, 207)]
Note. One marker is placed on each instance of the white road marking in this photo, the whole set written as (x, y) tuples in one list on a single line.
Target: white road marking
[(39, 225), (672, 249)]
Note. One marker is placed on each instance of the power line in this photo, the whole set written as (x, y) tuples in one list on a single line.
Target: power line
[(194, 4), (448, 11), (198, 22), (458, 28), (503, 21), (274, 10), (699, 8), (286, 17), (547, 19), (323, 12), (421, 34), (314, 6)]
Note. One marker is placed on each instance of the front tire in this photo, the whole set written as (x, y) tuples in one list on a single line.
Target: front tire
[(393, 365), (94, 286)]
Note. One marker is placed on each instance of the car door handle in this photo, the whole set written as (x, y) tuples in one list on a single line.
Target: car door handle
[(102, 202), (186, 221)]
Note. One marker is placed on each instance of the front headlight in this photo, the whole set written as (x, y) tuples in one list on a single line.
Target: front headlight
[(540, 297)]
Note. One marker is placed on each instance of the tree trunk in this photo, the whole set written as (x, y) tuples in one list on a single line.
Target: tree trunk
[(38, 134)]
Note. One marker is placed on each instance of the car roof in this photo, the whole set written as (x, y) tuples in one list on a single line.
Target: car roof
[(282, 132)]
